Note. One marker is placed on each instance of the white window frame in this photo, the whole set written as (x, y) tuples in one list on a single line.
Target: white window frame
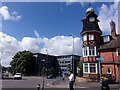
[(106, 39), (96, 68), (84, 37), (91, 36), (87, 49), (117, 51)]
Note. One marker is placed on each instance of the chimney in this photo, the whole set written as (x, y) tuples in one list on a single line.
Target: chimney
[(113, 29)]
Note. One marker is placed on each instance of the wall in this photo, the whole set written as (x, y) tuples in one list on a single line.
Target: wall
[(110, 61)]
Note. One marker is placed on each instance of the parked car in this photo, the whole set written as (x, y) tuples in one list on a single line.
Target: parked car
[(5, 75), (108, 77), (50, 76), (17, 76)]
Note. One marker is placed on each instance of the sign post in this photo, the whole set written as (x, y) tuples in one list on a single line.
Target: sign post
[(100, 59)]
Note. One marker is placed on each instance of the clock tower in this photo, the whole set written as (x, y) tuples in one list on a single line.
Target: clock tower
[(91, 42)]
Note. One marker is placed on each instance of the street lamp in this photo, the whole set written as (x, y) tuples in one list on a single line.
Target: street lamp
[(47, 63), (73, 36), (43, 73), (0, 64)]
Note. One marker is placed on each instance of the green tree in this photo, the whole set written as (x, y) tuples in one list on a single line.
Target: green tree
[(80, 66), (23, 62), (51, 71)]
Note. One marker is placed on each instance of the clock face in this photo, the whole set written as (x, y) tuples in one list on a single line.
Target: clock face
[(91, 19)]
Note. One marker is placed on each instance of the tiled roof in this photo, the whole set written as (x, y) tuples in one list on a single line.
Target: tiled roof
[(114, 43)]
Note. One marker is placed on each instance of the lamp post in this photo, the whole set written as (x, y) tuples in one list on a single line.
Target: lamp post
[(1, 65), (47, 63), (73, 36), (43, 73)]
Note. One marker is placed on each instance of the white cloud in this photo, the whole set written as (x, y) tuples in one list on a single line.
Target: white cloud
[(106, 14), (36, 33), (4, 11), (58, 45), (61, 45), (0, 27)]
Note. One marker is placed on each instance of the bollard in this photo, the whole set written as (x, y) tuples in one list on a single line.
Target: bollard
[(105, 85), (38, 87)]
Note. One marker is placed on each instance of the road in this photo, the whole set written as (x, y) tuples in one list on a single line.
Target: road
[(30, 83)]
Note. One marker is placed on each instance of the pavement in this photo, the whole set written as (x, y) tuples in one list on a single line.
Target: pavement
[(59, 83)]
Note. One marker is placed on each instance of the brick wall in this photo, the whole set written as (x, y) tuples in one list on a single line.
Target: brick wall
[(109, 56), (91, 75)]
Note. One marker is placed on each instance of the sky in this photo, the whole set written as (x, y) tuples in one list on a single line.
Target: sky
[(41, 26)]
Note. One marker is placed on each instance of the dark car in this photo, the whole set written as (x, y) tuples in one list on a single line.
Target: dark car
[(50, 76), (108, 77)]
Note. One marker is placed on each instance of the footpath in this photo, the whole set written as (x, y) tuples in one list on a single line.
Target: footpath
[(81, 83)]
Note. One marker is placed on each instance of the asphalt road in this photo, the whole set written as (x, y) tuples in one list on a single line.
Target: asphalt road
[(26, 82), (30, 83)]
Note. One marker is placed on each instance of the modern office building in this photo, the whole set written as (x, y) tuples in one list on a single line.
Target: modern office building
[(68, 63), (47, 62), (64, 63)]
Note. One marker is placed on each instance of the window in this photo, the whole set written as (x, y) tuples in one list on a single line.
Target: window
[(86, 67), (91, 68), (89, 51), (85, 51), (85, 38), (118, 51), (106, 39), (91, 37)]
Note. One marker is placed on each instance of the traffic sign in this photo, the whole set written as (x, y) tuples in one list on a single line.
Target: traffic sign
[(100, 59)]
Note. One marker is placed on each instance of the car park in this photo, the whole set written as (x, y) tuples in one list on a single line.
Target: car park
[(17, 76)]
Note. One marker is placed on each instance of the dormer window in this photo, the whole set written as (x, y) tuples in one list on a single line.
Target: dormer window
[(106, 39), (91, 37), (84, 37)]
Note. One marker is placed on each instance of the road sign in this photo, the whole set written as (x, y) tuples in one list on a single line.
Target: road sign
[(100, 59)]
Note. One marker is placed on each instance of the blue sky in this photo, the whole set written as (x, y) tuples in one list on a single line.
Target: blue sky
[(48, 19), (42, 26)]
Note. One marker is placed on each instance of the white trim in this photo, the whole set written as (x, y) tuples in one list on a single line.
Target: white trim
[(91, 35), (95, 51), (106, 39), (117, 52), (96, 68), (87, 51), (88, 67), (84, 37)]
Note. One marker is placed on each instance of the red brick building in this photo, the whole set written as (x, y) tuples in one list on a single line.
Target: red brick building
[(97, 46)]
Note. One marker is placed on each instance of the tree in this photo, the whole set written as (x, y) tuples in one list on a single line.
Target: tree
[(23, 62), (51, 71), (80, 66)]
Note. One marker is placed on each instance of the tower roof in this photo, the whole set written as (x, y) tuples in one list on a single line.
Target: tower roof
[(90, 10), (90, 26)]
